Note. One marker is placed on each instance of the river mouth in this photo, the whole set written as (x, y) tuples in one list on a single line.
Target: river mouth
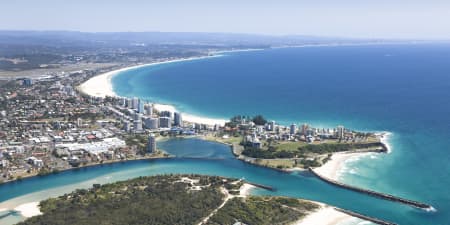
[(296, 184)]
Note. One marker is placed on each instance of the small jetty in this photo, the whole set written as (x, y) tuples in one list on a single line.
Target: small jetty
[(364, 217), (269, 188), (373, 193)]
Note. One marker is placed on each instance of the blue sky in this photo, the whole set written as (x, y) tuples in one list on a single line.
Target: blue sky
[(424, 19)]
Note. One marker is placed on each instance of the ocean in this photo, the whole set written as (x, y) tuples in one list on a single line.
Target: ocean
[(402, 89)]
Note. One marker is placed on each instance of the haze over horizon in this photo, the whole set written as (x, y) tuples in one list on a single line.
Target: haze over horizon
[(348, 18)]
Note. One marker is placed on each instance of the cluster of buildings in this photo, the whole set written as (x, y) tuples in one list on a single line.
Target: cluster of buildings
[(255, 134), (139, 117), (46, 125)]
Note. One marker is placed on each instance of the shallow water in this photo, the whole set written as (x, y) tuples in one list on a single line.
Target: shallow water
[(403, 89)]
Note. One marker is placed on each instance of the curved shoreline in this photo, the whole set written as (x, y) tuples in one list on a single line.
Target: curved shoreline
[(101, 86), (333, 216), (333, 168), (325, 215)]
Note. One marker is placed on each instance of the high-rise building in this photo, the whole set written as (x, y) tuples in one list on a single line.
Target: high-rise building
[(178, 120), (27, 82), (151, 123), (293, 129), (135, 103), (122, 102), (165, 114), (151, 146), (137, 122), (340, 131), (165, 122), (140, 106), (305, 128), (127, 126), (129, 103), (148, 110), (270, 126)]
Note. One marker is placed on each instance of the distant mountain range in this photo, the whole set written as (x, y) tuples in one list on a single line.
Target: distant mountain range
[(64, 38)]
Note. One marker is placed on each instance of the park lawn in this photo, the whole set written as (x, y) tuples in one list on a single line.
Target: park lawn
[(289, 145), (276, 163)]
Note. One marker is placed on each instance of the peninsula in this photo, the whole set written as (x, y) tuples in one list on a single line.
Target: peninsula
[(172, 199)]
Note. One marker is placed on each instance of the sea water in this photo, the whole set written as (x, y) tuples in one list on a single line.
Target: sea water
[(403, 89)]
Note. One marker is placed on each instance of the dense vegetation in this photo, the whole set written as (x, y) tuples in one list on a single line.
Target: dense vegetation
[(144, 200), (336, 147), (303, 150), (262, 211), (237, 120), (168, 199)]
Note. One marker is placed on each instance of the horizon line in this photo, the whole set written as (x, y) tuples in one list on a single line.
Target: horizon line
[(234, 33)]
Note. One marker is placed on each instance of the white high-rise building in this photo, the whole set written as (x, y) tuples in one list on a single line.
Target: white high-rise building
[(140, 107), (137, 122), (151, 147), (135, 103), (149, 110)]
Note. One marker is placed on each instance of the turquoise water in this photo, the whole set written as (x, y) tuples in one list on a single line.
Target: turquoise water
[(222, 163), (403, 89)]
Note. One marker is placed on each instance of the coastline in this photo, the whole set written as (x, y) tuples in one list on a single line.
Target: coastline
[(101, 86), (246, 189), (325, 215), (333, 167), (86, 166), (28, 210)]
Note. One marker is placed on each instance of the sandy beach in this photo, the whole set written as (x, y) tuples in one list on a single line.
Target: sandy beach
[(245, 190), (326, 215), (333, 167), (29, 209), (101, 86)]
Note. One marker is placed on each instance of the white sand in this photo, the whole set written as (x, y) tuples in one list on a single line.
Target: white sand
[(245, 190), (101, 86), (332, 167), (1, 210), (324, 216), (29, 209)]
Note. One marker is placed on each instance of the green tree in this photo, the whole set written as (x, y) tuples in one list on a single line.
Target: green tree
[(259, 120)]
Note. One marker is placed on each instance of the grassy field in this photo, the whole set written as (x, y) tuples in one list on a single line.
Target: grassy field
[(276, 163), (289, 145)]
